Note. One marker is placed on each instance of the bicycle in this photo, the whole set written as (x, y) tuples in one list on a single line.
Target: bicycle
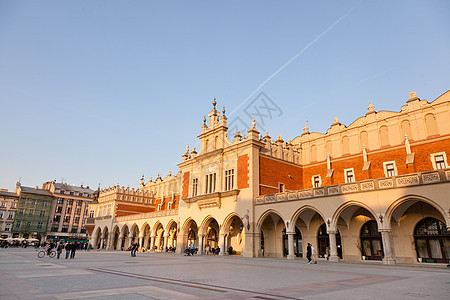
[(42, 253)]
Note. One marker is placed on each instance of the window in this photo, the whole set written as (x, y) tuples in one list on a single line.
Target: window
[(56, 218), (76, 220), (79, 202), (21, 211), (91, 214), (71, 193), (194, 187), (169, 205), (3, 204), (159, 207), (13, 205), (42, 213), (10, 216), (61, 192), (316, 181), (68, 210), (390, 169), (83, 230), (349, 175), (210, 183), (39, 225), (8, 227), (69, 201), (67, 219), (78, 211), (59, 209), (60, 200), (65, 228), (281, 187), (55, 227), (74, 229), (439, 160), (1, 215), (18, 224), (229, 180)]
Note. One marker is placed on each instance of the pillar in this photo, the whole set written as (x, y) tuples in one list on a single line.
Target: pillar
[(201, 244), (222, 244), (291, 254), (181, 243), (109, 243), (165, 246), (152, 243), (333, 246), (141, 241), (386, 237), (119, 242)]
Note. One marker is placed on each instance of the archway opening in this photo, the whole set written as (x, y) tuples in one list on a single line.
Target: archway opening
[(371, 242), (235, 236), (323, 242), (105, 237), (125, 233), (432, 241), (298, 242), (272, 244)]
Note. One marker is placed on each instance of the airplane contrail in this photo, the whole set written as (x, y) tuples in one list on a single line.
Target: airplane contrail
[(294, 58)]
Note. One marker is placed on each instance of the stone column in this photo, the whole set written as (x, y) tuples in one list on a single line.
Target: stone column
[(166, 239), (386, 237), (141, 241), (201, 244), (291, 254), (152, 243), (130, 238), (119, 242), (109, 243), (222, 244), (333, 247)]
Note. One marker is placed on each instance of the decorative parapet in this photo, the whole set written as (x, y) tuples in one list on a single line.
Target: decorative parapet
[(153, 214), (433, 177)]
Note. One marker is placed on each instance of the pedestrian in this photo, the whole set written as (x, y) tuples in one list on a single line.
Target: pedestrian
[(309, 252), (134, 247), (313, 254), (59, 250), (73, 249), (207, 249), (68, 248), (191, 247)]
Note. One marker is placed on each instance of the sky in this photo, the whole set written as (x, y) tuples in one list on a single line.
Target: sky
[(106, 91)]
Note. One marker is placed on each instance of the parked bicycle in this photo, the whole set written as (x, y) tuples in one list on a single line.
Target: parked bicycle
[(50, 253)]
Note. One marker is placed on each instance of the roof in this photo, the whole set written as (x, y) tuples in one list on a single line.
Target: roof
[(30, 190), (8, 194), (68, 187)]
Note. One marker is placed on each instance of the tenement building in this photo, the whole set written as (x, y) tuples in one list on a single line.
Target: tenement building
[(8, 206), (375, 190)]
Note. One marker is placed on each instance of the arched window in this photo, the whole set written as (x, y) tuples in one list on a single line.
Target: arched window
[(313, 153), (430, 123), (371, 243), (384, 136), (323, 242), (406, 129), (432, 241), (345, 145), (206, 145), (329, 148), (364, 139)]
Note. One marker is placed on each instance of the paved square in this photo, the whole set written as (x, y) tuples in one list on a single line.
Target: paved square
[(117, 275)]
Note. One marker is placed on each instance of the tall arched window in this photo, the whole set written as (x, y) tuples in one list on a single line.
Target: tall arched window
[(371, 243), (345, 145), (432, 241), (406, 129), (364, 139), (430, 123), (384, 136), (313, 153), (329, 148)]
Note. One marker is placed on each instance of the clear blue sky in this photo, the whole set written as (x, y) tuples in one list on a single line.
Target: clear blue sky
[(104, 91)]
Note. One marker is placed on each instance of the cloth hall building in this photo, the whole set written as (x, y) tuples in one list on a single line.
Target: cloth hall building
[(376, 190)]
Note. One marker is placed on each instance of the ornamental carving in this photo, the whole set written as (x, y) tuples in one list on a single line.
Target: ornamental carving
[(431, 177), (292, 195), (349, 188), (447, 174), (209, 203), (319, 192), (259, 199), (408, 180), (281, 197), (369, 185), (333, 190), (305, 194), (271, 198), (385, 184)]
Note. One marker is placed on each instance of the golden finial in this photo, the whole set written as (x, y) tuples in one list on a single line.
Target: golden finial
[(204, 120), (214, 103), (223, 110)]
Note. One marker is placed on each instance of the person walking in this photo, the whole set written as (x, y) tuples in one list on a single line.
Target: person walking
[(313, 255), (68, 248), (134, 247), (309, 252), (73, 249), (59, 250)]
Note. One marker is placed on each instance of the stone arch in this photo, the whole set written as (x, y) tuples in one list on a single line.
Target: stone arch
[(430, 123), (313, 153), (98, 237), (172, 233), (405, 126), (407, 201), (345, 206), (158, 233), (115, 237), (146, 231), (384, 136), (272, 228), (345, 145), (204, 225), (364, 139), (264, 215), (302, 210)]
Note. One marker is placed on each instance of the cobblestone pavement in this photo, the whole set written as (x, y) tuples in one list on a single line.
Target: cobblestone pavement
[(117, 275)]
